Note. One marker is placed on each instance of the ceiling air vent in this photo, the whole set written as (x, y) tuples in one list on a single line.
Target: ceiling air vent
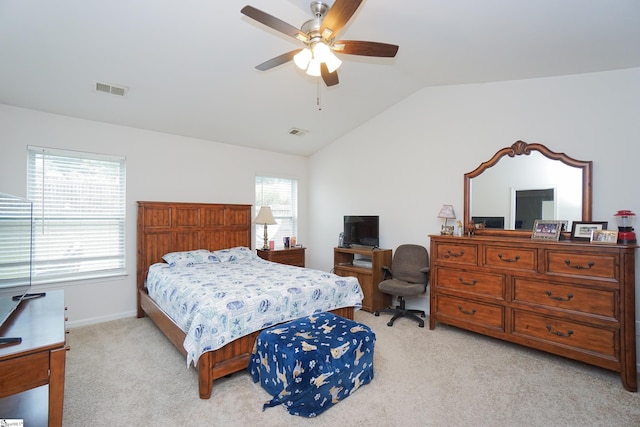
[(297, 132), (113, 90)]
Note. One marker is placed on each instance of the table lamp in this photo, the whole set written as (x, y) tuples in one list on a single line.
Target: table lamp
[(265, 217), (447, 213)]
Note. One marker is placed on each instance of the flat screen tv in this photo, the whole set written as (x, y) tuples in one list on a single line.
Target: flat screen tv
[(361, 230), (16, 216)]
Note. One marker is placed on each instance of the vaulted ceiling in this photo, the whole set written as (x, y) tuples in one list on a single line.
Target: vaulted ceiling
[(188, 66)]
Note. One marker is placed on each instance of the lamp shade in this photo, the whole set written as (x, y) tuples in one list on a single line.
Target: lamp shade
[(265, 216), (314, 68), (446, 212), (302, 58)]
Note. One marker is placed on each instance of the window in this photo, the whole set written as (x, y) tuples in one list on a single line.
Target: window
[(282, 196), (78, 213)]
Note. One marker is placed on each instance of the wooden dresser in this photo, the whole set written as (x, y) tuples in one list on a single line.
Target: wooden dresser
[(573, 299)]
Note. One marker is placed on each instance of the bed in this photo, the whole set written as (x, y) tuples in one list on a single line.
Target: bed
[(167, 227)]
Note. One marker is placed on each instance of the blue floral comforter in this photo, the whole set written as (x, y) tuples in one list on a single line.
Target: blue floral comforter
[(216, 303)]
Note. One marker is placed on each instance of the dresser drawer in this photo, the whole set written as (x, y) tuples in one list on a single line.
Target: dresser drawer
[(486, 315), (601, 266), (458, 253), (510, 257), (472, 282), (293, 258), (566, 297), (571, 334)]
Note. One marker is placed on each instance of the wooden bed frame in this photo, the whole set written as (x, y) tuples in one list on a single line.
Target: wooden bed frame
[(165, 227)]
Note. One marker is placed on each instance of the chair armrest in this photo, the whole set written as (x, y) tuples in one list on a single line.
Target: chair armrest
[(425, 270), (386, 271)]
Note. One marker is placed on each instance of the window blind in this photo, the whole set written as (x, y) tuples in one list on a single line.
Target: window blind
[(281, 195), (15, 242), (78, 212)]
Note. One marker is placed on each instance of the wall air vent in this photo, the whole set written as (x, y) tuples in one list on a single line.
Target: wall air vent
[(113, 90), (297, 132)]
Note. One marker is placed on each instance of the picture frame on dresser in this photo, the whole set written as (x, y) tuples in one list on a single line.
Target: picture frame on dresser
[(604, 237), (581, 230), (546, 229)]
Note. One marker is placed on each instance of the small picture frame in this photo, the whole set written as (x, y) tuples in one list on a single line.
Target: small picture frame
[(546, 229), (581, 230), (604, 237)]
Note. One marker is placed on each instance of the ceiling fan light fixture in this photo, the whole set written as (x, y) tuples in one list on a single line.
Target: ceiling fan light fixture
[(332, 61), (322, 53), (302, 58), (314, 68)]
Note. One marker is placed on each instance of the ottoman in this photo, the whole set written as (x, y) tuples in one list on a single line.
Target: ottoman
[(312, 363)]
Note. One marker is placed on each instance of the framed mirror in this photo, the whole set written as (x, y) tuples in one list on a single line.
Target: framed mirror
[(523, 183)]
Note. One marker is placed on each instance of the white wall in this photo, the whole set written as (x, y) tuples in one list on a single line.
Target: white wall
[(405, 163), (160, 167)]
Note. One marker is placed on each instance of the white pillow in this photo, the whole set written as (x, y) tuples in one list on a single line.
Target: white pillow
[(234, 254), (189, 258)]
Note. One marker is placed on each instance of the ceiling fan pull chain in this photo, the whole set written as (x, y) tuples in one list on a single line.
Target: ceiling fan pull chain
[(318, 97)]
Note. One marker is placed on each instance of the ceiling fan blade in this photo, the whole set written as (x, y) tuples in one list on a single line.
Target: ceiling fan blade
[(273, 22), (338, 16), (330, 79), (278, 60), (357, 47)]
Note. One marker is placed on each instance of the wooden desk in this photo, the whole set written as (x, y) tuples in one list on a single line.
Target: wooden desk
[(369, 277), (39, 360)]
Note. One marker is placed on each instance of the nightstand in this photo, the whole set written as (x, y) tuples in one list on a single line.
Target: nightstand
[(290, 256)]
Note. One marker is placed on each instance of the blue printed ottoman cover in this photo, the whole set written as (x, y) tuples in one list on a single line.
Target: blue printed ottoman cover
[(312, 363)]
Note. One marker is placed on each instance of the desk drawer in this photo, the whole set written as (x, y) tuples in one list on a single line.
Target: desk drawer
[(486, 315), (23, 373), (472, 282), (600, 266), (510, 257), (566, 297), (566, 333)]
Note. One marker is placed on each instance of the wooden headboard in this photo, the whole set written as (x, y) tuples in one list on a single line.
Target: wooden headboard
[(165, 227)]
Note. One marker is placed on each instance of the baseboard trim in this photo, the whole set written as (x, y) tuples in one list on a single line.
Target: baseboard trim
[(101, 319)]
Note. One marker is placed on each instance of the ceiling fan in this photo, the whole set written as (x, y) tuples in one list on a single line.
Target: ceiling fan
[(319, 38)]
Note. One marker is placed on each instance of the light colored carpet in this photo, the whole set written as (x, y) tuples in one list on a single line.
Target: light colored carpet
[(125, 372)]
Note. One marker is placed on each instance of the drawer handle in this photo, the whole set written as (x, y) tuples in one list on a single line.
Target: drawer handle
[(568, 298), (470, 313), (560, 334), (472, 283), (449, 253), (509, 259), (578, 266)]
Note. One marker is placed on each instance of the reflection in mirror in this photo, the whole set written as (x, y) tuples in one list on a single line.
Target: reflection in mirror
[(526, 182), (524, 188)]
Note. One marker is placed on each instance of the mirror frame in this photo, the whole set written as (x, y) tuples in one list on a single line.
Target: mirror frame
[(522, 148)]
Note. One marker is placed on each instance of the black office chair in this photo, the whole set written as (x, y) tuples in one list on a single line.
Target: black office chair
[(408, 276)]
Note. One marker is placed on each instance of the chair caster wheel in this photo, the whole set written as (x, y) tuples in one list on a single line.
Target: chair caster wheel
[(376, 314), (421, 326), (389, 323)]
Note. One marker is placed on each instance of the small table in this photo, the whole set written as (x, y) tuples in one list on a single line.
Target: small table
[(289, 256), (37, 361)]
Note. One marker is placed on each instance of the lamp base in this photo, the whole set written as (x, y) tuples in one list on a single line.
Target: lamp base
[(627, 238)]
